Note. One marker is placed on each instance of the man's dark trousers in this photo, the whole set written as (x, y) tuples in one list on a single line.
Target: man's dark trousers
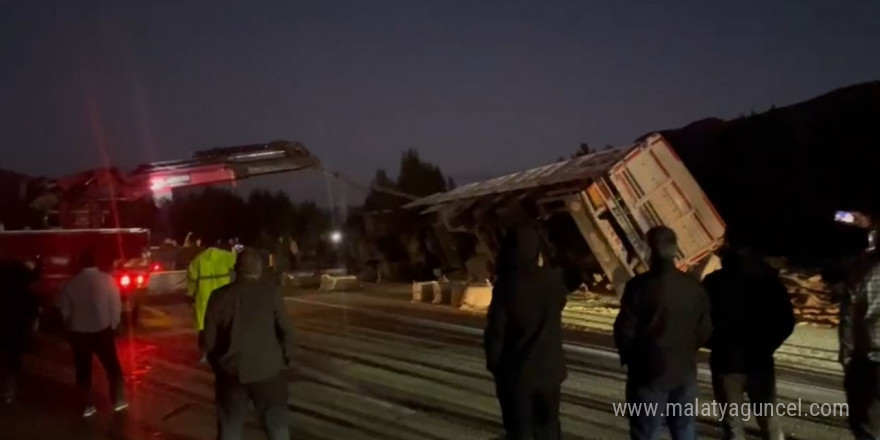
[(680, 421), (103, 345), (862, 384), (760, 384), (270, 400), (10, 368), (530, 414)]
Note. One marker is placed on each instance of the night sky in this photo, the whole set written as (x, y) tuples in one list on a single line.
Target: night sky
[(479, 87)]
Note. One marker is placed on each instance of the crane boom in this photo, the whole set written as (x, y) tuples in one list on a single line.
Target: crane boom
[(224, 164), (80, 199), (379, 188)]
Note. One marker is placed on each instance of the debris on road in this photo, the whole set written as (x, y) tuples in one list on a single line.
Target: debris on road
[(813, 300)]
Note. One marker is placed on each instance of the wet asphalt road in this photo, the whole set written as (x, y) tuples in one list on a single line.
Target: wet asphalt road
[(368, 367)]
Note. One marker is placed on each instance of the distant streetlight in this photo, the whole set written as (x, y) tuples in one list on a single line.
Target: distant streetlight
[(336, 237)]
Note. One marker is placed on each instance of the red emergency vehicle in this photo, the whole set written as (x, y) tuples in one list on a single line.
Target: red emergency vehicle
[(122, 252), (80, 213)]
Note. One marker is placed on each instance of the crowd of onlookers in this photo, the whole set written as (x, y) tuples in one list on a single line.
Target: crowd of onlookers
[(742, 312)]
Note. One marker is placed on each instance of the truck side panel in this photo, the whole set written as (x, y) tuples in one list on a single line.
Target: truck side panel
[(658, 189)]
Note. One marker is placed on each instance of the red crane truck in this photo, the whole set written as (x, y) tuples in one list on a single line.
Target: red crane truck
[(80, 213)]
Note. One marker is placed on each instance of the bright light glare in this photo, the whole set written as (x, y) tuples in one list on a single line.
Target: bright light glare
[(336, 236), (125, 281)]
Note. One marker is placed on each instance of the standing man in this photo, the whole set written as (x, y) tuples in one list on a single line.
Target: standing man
[(751, 317), (283, 256), (860, 339), (209, 271), (282, 260), (18, 315), (248, 338), (523, 338), (664, 319), (90, 306)]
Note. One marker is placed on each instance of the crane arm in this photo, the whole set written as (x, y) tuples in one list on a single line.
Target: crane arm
[(205, 167), (224, 164), (379, 188)]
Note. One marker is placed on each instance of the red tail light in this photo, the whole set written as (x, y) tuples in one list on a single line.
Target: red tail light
[(140, 280), (125, 281), (156, 267)]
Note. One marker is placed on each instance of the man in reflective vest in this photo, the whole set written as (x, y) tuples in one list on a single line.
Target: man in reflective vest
[(209, 271)]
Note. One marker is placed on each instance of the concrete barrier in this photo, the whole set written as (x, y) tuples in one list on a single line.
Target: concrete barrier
[(441, 294), (477, 297), (425, 291), (456, 294), (302, 280), (339, 283), (450, 293)]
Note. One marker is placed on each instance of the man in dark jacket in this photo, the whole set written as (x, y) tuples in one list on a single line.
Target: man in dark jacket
[(18, 314), (751, 317), (248, 340), (663, 321), (523, 337)]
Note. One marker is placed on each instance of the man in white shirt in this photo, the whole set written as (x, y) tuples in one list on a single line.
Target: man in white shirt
[(91, 305)]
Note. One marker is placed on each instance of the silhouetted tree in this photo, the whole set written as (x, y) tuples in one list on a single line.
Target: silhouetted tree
[(258, 221), (210, 214), (415, 176), (418, 177), (378, 200)]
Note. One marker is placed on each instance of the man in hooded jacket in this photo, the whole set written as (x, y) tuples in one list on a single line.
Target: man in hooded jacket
[(751, 317), (523, 337), (663, 321)]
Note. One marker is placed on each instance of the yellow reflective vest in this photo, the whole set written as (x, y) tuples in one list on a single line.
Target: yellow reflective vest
[(210, 270)]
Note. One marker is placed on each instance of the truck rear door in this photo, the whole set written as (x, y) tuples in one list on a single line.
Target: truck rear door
[(658, 189)]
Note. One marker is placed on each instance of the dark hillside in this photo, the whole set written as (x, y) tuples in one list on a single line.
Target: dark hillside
[(780, 175)]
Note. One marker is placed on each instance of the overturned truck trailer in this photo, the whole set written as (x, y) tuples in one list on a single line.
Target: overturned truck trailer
[(609, 198)]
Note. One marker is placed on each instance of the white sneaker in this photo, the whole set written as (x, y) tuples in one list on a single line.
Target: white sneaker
[(120, 406), (89, 411)]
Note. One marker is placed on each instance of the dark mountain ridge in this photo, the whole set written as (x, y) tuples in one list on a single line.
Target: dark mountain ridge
[(779, 176)]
